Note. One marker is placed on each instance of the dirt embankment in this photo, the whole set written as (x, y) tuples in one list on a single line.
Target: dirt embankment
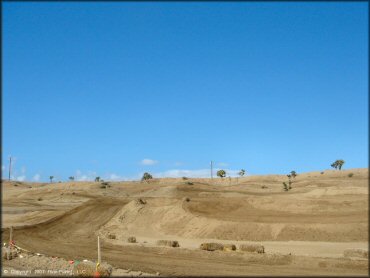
[(329, 208)]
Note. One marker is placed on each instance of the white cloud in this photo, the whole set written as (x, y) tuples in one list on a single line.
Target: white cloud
[(147, 161), (89, 176), (21, 178), (36, 177), (201, 173), (114, 177), (83, 178)]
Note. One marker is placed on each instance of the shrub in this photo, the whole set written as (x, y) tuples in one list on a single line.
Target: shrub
[(146, 176), (187, 199), (221, 173), (111, 236), (350, 175), (184, 178), (131, 239), (39, 199), (190, 183), (140, 201), (322, 173)]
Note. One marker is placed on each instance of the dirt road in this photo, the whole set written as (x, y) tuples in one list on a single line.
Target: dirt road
[(65, 219), (72, 236)]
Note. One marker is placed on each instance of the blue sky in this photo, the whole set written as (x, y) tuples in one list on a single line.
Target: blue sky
[(117, 89)]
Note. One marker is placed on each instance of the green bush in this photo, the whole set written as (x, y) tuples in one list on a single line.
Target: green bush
[(221, 173), (146, 176), (350, 175)]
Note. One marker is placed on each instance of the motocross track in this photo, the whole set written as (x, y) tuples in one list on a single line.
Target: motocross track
[(66, 222)]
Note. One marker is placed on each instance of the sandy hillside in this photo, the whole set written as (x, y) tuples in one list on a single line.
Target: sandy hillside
[(305, 230)]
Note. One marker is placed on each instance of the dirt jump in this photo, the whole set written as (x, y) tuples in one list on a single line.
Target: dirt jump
[(238, 226)]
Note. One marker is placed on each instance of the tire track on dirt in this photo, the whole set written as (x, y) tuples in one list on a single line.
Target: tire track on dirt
[(73, 236)]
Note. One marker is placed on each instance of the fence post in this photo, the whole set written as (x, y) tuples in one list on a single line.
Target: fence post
[(99, 254)]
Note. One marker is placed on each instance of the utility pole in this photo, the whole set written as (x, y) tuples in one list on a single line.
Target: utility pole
[(10, 166), (211, 169)]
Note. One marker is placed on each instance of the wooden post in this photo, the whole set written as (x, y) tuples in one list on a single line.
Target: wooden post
[(10, 246), (99, 254), (11, 236)]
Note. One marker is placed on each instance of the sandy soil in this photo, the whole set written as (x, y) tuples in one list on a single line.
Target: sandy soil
[(305, 230)]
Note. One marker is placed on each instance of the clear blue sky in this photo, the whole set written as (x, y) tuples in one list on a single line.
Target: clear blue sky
[(116, 89)]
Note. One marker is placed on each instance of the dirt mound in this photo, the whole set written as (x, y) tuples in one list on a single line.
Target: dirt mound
[(320, 209)]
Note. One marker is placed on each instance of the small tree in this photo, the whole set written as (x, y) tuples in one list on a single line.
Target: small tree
[(146, 176), (242, 172), (338, 164), (51, 179), (97, 179), (288, 186), (71, 178), (221, 173)]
